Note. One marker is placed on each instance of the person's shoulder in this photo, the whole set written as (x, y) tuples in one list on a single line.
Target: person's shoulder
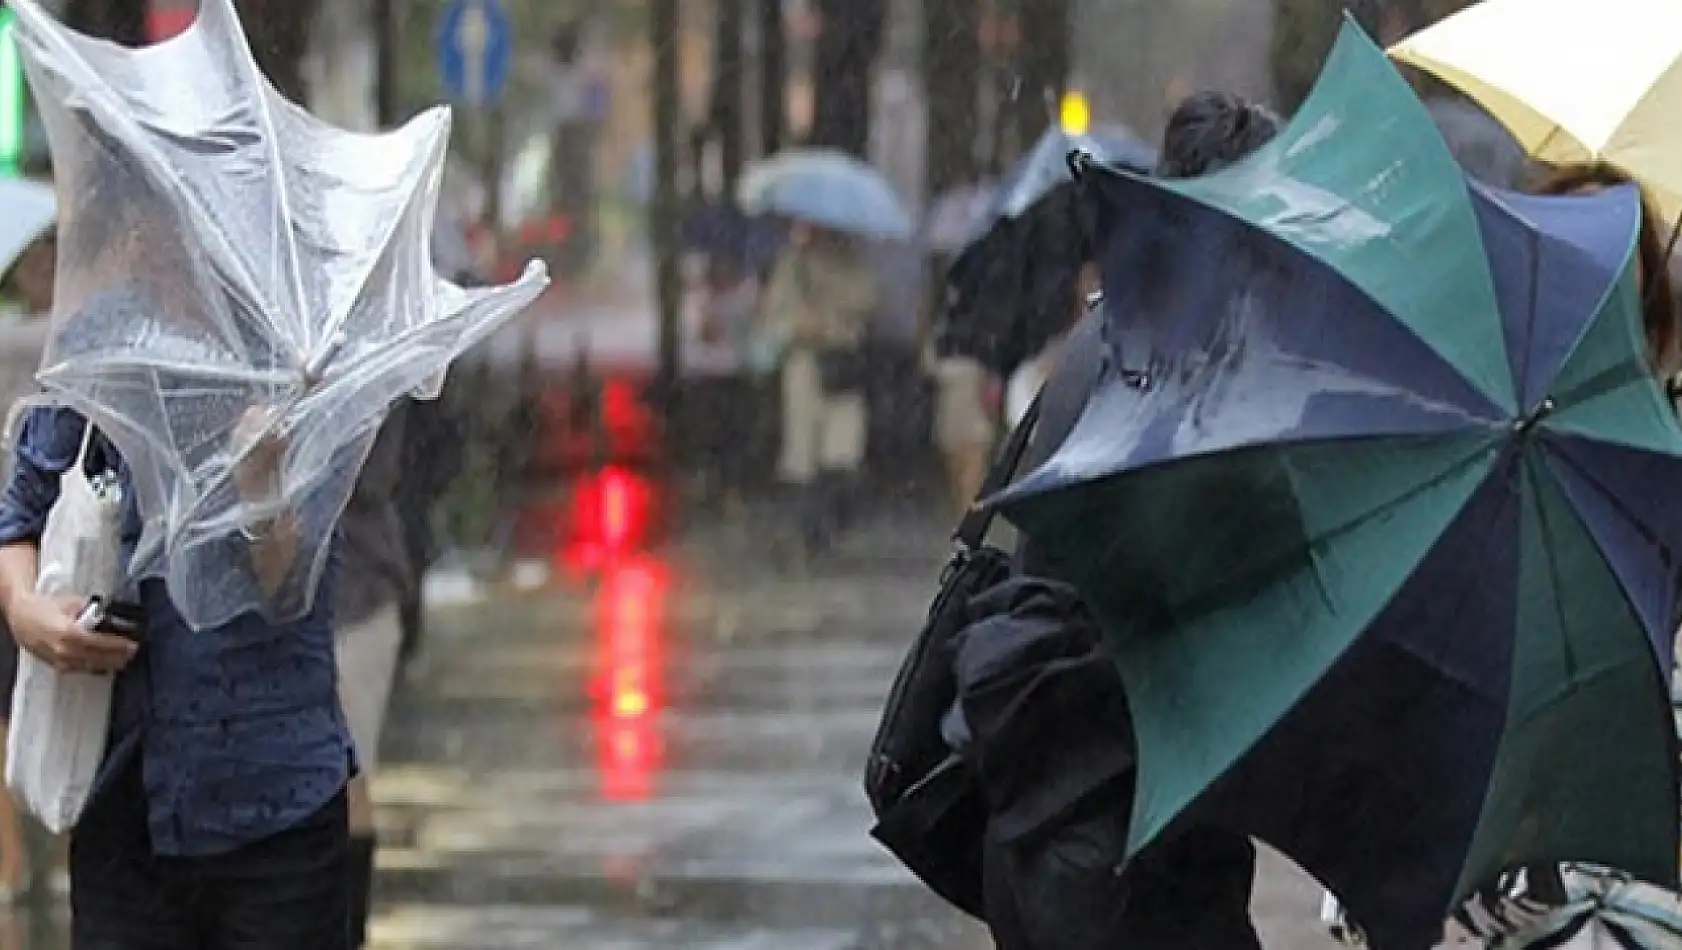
[(50, 436)]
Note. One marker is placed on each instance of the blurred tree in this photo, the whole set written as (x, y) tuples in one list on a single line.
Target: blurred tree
[(121, 21), (1042, 67), (663, 34), (773, 76), (387, 27), (847, 47), (952, 76), (1304, 30), (279, 31), (725, 113)]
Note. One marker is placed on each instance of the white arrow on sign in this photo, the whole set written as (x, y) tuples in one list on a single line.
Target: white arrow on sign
[(473, 34)]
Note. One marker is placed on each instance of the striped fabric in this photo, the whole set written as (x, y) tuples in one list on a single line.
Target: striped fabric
[(1602, 909)]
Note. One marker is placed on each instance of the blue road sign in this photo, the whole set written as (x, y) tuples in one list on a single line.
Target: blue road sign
[(475, 50)]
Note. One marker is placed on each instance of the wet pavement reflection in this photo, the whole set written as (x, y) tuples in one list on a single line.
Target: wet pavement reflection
[(669, 757), (666, 756)]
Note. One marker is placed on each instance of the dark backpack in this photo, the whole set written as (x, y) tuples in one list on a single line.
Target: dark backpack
[(926, 806), (929, 808)]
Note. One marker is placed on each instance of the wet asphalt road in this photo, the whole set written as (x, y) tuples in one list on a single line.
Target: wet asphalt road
[(671, 760), (668, 758)]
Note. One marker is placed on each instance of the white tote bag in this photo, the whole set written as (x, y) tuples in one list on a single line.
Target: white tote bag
[(59, 720)]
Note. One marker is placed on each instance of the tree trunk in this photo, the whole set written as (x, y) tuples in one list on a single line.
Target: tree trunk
[(279, 31), (773, 76), (1304, 30), (952, 77), (386, 42), (1042, 67), (725, 111), (121, 21), (847, 48), (663, 36)]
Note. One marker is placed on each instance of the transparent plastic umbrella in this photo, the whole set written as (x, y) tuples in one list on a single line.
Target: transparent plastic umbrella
[(226, 257)]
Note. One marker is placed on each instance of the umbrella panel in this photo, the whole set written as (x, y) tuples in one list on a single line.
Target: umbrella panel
[(1396, 727), (1321, 535), (1587, 765), (1552, 260), (1628, 503)]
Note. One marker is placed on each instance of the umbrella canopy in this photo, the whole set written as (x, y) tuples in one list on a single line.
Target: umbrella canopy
[(1047, 165), (1574, 81), (1377, 509), (827, 188), (28, 210), (957, 217), (225, 257)]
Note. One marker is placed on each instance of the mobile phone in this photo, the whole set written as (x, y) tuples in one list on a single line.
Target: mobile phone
[(111, 617)]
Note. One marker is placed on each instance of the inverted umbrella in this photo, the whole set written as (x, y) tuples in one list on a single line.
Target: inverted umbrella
[(1574, 81), (1046, 165), (223, 257), (827, 188), (1377, 507), (957, 217)]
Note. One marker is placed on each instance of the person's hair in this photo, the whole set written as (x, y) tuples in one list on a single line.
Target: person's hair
[(1658, 298), (1210, 130)]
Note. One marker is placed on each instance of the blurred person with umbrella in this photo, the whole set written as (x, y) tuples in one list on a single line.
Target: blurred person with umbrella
[(817, 310), (964, 429), (1391, 463), (825, 189), (815, 315), (1017, 285), (228, 351)]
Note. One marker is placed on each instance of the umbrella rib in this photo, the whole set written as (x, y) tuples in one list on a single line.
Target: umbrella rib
[(1336, 530), (152, 364), (1569, 654), (265, 116), (317, 362)]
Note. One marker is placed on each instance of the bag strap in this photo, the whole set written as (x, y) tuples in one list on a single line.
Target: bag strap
[(973, 528), (87, 442)]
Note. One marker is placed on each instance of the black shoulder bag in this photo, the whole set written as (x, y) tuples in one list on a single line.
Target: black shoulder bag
[(929, 814)]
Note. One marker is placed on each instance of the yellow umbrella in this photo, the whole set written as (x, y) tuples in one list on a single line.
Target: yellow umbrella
[(1573, 80)]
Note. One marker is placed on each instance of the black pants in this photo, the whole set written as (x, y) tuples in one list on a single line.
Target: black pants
[(286, 892)]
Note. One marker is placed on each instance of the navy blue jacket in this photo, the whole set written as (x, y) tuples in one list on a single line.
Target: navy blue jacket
[(238, 729)]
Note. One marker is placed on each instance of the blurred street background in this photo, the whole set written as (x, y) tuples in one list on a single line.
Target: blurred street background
[(634, 720)]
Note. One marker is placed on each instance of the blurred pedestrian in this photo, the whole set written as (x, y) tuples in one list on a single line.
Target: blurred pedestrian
[(964, 428), (1026, 382), (375, 581), (27, 285), (727, 318), (965, 423), (435, 434), (818, 307)]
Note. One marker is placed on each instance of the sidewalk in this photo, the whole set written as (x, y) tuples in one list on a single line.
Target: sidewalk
[(671, 759), (529, 798)]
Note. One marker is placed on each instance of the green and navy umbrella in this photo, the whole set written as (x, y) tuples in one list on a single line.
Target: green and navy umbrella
[(1381, 510)]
